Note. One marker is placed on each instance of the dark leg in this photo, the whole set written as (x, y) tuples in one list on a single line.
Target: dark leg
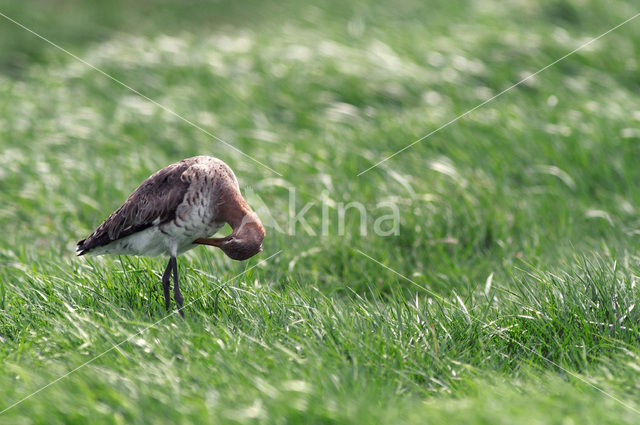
[(166, 278), (176, 287)]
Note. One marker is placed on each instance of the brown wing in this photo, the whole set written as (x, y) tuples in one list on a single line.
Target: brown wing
[(154, 202)]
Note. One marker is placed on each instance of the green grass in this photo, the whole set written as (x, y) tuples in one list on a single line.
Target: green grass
[(536, 192)]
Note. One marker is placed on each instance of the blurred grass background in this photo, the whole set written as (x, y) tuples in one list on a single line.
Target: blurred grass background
[(523, 214)]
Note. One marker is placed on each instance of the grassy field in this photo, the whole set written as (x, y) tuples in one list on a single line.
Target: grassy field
[(508, 295)]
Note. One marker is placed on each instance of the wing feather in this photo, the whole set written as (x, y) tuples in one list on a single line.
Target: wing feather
[(154, 202)]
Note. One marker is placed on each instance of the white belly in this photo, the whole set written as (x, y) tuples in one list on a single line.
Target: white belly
[(168, 239)]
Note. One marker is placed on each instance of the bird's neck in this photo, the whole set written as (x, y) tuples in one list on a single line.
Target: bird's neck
[(241, 217)]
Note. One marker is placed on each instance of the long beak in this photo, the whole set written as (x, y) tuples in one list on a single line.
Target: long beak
[(210, 241)]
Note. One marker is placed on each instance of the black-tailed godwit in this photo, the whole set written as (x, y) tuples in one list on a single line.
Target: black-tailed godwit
[(173, 211)]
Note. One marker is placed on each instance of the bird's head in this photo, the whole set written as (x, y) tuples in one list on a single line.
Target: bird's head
[(244, 242)]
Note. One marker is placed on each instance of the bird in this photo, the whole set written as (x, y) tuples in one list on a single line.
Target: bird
[(176, 209)]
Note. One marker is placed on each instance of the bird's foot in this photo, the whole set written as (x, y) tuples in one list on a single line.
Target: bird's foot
[(179, 300)]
